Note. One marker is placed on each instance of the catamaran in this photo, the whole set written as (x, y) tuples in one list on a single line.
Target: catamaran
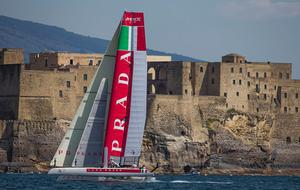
[(105, 136)]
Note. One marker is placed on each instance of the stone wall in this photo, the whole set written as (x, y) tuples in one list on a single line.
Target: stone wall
[(6, 140), (285, 141), (42, 95), (11, 56), (197, 132), (252, 86), (9, 91), (50, 60), (289, 96)]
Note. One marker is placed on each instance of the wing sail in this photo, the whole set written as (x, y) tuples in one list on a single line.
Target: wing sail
[(127, 112), (66, 151), (89, 152)]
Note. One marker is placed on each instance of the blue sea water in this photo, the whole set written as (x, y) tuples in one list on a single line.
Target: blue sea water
[(44, 182)]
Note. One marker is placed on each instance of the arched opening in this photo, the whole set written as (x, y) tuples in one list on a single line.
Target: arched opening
[(151, 74), (162, 75), (151, 89)]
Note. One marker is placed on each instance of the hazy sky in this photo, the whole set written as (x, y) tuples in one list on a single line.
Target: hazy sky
[(261, 30)]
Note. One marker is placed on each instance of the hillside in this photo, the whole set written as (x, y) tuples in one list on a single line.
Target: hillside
[(35, 37)]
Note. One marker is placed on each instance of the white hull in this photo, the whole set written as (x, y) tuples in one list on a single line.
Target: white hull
[(103, 174), (104, 179)]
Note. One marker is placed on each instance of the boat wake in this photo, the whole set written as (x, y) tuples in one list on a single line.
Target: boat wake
[(191, 182)]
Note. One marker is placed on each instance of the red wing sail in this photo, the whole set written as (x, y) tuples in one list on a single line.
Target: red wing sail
[(131, 39)]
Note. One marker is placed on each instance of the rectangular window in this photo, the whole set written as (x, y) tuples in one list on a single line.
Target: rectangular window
[(297, 95), (212, 81), (91, 62), (257, 88), (280, 75), (71, 61), (248, 96), (285, 95), (257, 74), (248, 83), (46, 62), (84, 89), (186, 91), (275, 87), (241, 70), (233, 82), (232, 70), (287, 76), (265, 86), (296, 109), (68, 84), (265, 74), (237, 94), (225, 94), (265, 96), (257, 109), (201, 69), (285, 109), (240, 82), (85, 76), (60, 93), (248, 74)]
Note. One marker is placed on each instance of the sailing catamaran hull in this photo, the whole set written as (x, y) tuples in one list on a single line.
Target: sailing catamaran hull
[(102, 174), (105, 179)]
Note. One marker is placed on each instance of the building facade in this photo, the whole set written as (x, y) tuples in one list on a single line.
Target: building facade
[(54, 60), (260, 87)]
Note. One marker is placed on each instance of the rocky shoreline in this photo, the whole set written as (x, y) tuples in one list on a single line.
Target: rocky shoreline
[(180, 137)]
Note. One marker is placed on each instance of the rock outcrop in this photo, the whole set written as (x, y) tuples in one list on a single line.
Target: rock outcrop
[(182, 135)]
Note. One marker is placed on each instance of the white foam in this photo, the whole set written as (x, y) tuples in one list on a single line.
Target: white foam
[(209, 182)]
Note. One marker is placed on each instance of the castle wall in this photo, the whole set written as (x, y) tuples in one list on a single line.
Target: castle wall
[(6, 141), (9, 90), (50, 60), (285, 140), (165, 78), (11, 56), (47, 95), (289, 96), (252, 86)]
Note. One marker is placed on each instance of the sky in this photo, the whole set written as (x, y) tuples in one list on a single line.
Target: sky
[(261, 30)]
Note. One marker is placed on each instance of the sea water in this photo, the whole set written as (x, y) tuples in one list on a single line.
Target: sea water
[(185, 182)]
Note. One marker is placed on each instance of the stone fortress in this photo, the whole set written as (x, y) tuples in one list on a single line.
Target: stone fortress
[(187, 104), (247, 86)]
